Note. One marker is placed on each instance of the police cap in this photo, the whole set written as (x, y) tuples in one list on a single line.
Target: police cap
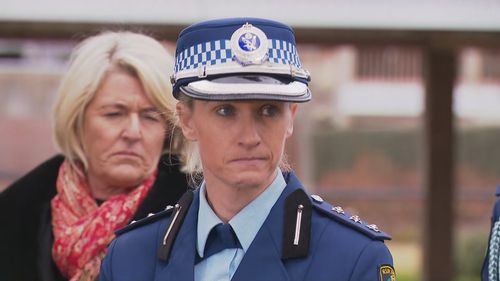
[(239, 59)]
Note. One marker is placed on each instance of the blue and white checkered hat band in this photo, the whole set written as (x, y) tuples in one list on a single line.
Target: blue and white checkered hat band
[(283, 52), (217, 53), (212, 53)]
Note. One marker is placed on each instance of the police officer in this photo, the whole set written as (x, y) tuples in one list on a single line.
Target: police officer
[(239, 82), (491, 270)]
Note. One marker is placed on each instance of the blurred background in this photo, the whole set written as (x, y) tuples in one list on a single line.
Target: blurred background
[(403, 129)]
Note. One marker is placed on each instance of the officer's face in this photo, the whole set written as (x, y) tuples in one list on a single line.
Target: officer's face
[(240, 142)]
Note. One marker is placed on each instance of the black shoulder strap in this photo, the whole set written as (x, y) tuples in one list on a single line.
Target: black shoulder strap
[(180, 211), (297, 225)]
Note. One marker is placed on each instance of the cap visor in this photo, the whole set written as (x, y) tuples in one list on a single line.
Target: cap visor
[(248, 87)]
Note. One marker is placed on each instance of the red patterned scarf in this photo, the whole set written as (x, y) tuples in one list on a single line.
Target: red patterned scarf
[(82, 230)]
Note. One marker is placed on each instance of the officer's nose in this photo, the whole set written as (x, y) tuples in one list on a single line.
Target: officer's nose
[(249, 134)]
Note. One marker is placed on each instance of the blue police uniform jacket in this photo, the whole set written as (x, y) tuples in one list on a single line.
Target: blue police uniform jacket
[(490, 269), (336, 246)]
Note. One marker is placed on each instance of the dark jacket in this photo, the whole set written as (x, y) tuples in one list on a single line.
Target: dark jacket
[(490, 263), (337, 248), (25, 217)]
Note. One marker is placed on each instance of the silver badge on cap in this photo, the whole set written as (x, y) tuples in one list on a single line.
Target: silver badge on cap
[(249, 45)]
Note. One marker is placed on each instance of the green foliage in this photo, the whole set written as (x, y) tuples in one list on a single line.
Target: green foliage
[(406, 276), (468, 278), (480, 148), (410, 233), (337, 149), (470, 250)]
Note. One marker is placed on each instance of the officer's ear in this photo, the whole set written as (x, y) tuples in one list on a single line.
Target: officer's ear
[(185, 114), (293, 110)]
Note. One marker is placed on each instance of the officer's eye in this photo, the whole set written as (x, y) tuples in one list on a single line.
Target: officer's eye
[(269, 110), (225, 110)]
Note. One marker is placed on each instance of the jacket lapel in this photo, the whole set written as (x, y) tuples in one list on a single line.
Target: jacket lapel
[(263, 260), (180, 265)]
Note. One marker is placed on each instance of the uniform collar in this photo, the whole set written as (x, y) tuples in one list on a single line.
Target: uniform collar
[(247, 222)]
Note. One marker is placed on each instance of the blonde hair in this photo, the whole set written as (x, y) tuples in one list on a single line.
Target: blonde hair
[(191, 154), (136, 54)]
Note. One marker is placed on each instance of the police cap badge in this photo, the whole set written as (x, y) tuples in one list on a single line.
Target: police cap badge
[(238, 59)]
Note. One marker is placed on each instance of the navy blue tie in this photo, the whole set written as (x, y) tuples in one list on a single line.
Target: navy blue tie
[(221, 237)]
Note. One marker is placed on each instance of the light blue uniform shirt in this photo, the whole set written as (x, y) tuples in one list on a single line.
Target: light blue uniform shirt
[(222, 265)]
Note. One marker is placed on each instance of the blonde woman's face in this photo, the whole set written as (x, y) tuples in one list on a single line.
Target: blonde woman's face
[(123, 135)]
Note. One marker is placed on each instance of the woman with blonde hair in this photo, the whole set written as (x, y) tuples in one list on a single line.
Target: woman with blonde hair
[(113, 126)]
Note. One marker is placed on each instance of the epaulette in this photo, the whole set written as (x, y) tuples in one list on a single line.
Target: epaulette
[(353, 221), (147, 220), (181, 209), (297, 225), (498, 190)]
